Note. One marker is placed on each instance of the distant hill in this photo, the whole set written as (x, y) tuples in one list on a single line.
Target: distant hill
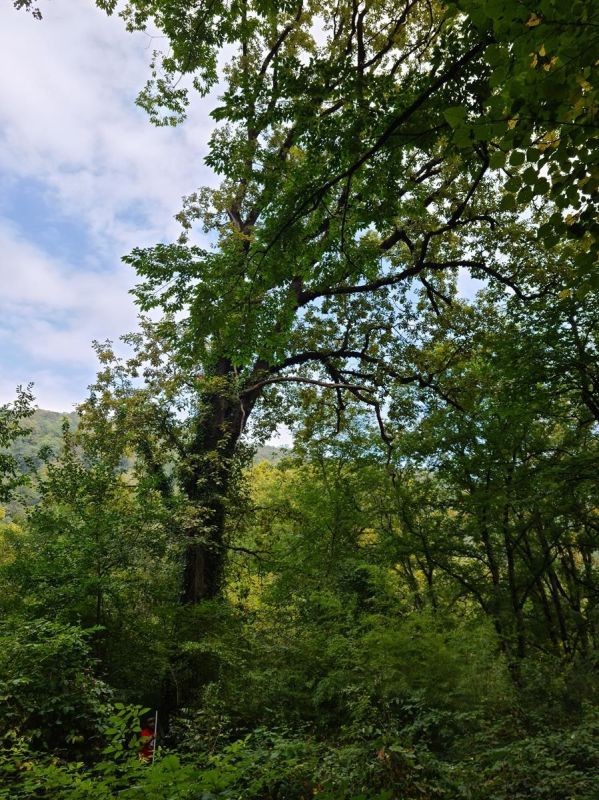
[(271, 454), (45, 431)]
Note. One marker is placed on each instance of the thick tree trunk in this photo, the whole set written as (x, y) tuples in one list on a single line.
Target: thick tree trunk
[(203, 570), (206, 479)]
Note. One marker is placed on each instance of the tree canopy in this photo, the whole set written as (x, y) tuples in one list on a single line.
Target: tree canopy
[(366, 153)]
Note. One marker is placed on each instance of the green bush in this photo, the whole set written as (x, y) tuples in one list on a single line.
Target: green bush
[(48, 691)]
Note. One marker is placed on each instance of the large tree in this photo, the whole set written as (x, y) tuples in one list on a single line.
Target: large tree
[(355, 142), (345, 190)]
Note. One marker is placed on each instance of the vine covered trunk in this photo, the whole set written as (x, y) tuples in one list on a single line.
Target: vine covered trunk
[(206, 479)]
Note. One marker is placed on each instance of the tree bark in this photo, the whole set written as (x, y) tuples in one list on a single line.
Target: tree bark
[(206, 479)]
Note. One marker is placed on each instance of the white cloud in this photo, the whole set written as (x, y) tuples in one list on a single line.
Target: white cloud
[(53, 309), (68, 120), (71, 135), (52, 391)]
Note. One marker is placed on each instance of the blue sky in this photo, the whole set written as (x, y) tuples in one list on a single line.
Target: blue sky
[(84, 178)]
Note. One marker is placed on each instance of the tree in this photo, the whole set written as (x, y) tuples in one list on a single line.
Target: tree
[(95, 552), (356, 144), (529, 90), (500, 494), (309, 280), (11, 429)]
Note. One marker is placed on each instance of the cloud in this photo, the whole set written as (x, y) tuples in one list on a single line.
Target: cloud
[(49, 316), (89, 178), (50, 311), (52, 391), (68, 120)]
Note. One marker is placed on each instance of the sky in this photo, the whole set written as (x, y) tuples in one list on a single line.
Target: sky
[(84, 178)]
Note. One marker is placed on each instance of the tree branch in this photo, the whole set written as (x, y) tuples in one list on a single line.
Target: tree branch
[(299, 379)]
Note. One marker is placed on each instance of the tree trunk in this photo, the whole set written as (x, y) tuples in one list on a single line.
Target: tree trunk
[(206, 478)]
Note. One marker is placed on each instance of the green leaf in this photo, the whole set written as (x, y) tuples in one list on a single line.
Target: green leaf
[(455, 116), (542, 186), (525, 195), (497, 159), (508, 202)]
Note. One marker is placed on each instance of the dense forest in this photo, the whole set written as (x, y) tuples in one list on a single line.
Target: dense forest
[(405, 604)]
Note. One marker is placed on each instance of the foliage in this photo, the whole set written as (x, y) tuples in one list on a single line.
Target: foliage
[(95, 553), (549, 765), (407, 605), (12, 416), (362, 648), (50, 696), (28, 6), (540, 113)]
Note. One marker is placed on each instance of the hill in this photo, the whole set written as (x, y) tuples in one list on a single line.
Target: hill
[(267, 452), (45, 430)]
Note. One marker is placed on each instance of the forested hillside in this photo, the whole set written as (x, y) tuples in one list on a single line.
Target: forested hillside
[(402, 268), (43, 438), (44, 431)]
